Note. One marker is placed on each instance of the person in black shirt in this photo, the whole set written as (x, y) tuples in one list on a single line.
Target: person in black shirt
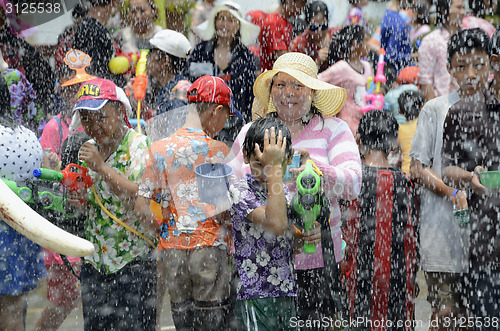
[(92, 38)]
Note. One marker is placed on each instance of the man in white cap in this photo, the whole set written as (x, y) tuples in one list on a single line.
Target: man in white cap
[(168, 55)]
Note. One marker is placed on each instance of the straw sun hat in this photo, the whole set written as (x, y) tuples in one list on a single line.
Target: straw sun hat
[(329, 99), (248, 31)]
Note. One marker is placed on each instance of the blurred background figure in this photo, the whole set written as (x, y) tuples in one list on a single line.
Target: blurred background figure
[(142, 15), (224, 53), (316, 39), (277, 31), (480, 9), (435, 80)]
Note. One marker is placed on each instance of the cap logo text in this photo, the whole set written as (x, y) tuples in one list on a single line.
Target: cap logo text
[(89, 90)]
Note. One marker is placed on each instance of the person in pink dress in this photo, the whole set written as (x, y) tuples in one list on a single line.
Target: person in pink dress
[(350, 71), (435, 80)]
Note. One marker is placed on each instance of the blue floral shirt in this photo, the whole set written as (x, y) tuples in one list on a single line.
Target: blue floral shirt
[(265, 261)]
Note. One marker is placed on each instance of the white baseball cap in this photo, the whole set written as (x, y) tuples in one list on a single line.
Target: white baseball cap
[(171, 42)]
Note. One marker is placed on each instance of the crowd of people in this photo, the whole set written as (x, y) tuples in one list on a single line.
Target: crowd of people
[(350, 157)]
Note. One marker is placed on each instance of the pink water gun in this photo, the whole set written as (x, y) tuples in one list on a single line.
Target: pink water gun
[(375, 100)]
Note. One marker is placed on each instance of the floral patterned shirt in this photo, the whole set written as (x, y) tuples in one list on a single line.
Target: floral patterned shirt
[(265, 261), (22, 100), (114, 245), (170, 179)]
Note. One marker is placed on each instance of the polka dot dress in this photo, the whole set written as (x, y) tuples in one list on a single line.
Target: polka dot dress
[(21, 260)]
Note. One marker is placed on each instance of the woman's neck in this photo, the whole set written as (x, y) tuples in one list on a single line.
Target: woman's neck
[(295, 126), (355, 63), (451, 28), (224, 42)]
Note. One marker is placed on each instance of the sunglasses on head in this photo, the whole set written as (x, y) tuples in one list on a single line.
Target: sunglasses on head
[(316, 27)]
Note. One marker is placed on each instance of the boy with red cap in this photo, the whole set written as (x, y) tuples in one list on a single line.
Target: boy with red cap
[(119, 280), (193, 236)]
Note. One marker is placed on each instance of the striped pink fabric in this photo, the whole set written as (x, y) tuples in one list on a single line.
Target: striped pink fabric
[(332, 147)]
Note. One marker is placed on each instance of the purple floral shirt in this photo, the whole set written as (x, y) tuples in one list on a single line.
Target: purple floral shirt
[(265, 261)]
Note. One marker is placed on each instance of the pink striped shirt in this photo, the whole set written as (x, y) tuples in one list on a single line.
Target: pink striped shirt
[(332, 147), (432, 61)]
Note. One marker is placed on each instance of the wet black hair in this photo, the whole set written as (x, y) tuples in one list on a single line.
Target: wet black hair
[(390, 75), (340, 45), (442, 12), (71, 147), (423, 8), (378, 130), (95, 3), (466, 40), (80, 10), (255, 135), (478, 8), (495, 43), (410, 103), (314, 8)]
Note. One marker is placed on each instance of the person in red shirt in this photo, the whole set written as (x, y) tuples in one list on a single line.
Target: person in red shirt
[(316, 39), (277, 32)]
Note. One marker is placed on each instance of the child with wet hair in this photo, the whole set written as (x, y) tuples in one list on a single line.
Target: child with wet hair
[(262, 230), (410, 102), (119, 280), (381, 231)]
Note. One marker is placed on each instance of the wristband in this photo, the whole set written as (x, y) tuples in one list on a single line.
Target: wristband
[(455, 193)]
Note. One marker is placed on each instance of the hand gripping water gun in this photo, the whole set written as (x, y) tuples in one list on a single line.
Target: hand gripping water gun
[(140, 84), (375, 100), (124, 63), (73, 181), (309, 201)]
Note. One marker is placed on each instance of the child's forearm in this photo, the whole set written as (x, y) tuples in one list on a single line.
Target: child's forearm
[(144, 214), (276, 212)]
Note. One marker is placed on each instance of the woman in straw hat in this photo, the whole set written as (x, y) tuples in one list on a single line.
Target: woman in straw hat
[(224, 53), (292, 93)]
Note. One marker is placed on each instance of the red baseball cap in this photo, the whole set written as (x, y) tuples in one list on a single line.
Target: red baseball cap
[(213, 90), (95, 93)]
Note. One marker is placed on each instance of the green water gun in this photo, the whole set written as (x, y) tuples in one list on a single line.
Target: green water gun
[(309, 200), (47, 199), (24, 193)]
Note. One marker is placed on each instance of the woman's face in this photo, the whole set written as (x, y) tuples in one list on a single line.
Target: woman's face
[(141, 15), (291, 98), (318, 26), (156, 62), (226, 25), (457, 12)]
